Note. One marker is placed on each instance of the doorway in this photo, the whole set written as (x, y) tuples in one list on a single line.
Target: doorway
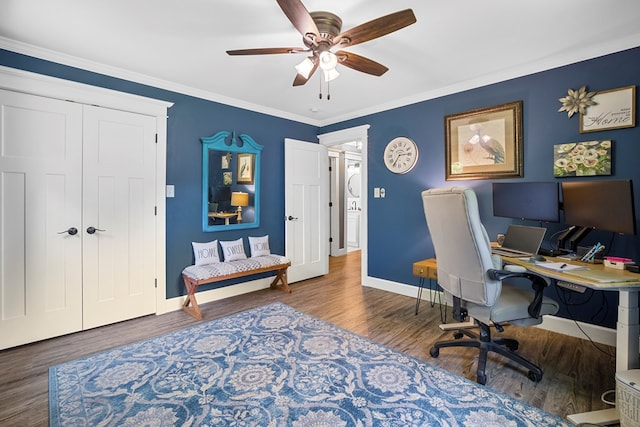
[(345, 189), (347, 140)]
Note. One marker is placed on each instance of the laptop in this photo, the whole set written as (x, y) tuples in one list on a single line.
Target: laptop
[(520, 241)]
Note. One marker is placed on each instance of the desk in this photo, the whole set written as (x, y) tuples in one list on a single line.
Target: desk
[(628, 328), (223, 215)]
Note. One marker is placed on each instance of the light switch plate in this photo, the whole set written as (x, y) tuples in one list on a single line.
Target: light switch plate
[(170, 191)]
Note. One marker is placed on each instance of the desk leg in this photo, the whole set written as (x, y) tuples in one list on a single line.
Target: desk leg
[(628, 330), (419, 297), (627, 348)]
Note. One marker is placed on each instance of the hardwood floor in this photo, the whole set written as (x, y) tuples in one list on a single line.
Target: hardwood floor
[(575, 372)]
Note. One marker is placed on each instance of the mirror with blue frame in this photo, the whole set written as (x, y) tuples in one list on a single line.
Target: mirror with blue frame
[(230, 182)]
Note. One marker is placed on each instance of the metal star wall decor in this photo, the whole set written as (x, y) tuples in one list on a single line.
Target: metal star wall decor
[(577, 101)]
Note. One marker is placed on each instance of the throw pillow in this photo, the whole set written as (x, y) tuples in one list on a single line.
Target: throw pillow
[(259, 246), (205, 253), (233, 250)]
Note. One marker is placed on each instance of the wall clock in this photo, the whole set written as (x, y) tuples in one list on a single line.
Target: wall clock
[(400, 155)]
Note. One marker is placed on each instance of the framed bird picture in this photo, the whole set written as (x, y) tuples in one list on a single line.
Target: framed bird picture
[(485, 143), (245, 166)]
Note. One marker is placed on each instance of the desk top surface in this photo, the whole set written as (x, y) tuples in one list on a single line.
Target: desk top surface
[(559, 275), (223, 214)]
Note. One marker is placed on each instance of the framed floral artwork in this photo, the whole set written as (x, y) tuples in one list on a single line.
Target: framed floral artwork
[(227, 178), (484, 143), (589, 158)]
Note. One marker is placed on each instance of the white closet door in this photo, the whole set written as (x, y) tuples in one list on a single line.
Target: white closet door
[(119, 201), (40, 198)]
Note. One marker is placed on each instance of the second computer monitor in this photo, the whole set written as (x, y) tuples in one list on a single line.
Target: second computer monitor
[(534, 201), (602, 205)]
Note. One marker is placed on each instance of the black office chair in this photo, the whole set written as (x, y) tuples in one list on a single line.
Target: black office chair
[(473, 276)]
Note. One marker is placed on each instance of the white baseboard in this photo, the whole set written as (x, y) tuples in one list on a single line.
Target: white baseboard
[(560, 325)]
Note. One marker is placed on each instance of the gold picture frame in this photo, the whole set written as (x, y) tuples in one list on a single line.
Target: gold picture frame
[(614, 109), (227, 178), (245, 171), (485, 143)]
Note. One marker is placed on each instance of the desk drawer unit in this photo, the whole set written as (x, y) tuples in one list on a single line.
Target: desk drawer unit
[(427, 268)]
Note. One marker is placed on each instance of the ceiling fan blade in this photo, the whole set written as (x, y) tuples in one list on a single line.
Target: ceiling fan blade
[(301, 19), (376, 28), (267, 51), (360, 63)]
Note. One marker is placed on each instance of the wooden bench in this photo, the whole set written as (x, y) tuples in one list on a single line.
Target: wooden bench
[(196, 275)]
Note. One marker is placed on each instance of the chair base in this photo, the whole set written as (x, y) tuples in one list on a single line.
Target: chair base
[(503, 346)]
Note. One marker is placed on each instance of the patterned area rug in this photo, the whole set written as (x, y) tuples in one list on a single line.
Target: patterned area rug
[(272, 366)]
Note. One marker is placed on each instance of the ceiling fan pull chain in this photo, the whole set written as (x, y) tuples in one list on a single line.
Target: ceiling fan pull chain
[(328, 91), (320, 94)]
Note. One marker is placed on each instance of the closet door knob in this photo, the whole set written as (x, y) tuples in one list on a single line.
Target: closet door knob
[(92, 230), (72, 231)]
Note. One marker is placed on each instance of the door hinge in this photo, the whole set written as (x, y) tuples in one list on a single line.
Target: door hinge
[(155, 210), (156, 283), (330, 239), (330, 204), (156, 138)]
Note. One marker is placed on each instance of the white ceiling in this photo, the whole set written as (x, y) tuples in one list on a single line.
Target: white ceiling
[(180, 45)]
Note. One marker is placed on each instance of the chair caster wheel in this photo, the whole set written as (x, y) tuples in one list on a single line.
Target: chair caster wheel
[(535, 377), (434, 352), (458, 335)]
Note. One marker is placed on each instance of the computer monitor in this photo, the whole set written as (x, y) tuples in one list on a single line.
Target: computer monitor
[(602, 205), (535, 201)]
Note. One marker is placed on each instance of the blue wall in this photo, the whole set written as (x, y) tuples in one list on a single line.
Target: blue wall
[(190, 119), (397, 231)]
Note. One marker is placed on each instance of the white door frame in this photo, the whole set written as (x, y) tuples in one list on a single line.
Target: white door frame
[(42, 85), (361, 134)]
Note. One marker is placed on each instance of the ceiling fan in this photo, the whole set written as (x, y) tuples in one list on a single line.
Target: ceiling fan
[(321, 32)]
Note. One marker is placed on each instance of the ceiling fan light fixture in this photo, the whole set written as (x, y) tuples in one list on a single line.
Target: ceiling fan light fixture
[(305, 67), (330, 74), (328, 60)]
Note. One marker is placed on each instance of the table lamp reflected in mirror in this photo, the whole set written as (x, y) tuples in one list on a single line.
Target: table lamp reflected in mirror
[(239, 199)]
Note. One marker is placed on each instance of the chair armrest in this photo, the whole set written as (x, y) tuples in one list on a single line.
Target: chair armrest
[(538, 283)]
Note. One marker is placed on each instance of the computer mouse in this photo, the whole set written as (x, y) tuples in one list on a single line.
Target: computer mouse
[(538, 257)]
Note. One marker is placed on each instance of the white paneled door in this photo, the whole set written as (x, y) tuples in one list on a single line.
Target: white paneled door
[(40, 198), (66, 167), (306, 209), (118, 220)]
